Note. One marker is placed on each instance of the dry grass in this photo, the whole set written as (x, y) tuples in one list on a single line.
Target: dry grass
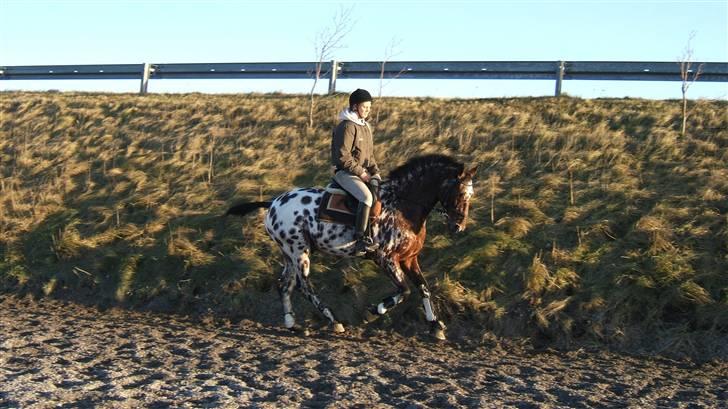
[(595, 216)]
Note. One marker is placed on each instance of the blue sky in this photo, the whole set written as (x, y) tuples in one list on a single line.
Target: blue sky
[(98, 32)]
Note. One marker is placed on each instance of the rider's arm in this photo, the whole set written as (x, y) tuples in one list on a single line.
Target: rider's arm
[(372, 167)]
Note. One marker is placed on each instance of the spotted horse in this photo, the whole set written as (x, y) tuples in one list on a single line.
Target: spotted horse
[(408, 196)]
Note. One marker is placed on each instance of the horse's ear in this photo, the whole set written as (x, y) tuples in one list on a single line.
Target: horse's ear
[(468, 174)]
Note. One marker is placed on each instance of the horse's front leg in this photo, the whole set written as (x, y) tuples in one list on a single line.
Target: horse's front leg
[(412, 269), (393, 269)]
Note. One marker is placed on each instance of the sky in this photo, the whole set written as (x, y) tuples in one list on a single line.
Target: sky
[(34, 32)]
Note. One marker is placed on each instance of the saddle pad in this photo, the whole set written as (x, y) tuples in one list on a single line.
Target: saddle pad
[(333, 209)]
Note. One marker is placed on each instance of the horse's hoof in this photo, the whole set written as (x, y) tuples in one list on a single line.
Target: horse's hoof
[(438, 330), (338, 328), (439, 335), (370, 317)]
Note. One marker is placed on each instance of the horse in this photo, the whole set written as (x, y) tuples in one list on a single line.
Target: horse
[(410, 193)]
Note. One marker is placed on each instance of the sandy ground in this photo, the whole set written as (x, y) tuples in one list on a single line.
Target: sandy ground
[(56, 354)]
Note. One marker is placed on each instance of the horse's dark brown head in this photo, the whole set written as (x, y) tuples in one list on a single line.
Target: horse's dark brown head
[(455, 197), (424, 181)]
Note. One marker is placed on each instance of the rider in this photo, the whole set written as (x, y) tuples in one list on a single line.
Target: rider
[(352, 154)]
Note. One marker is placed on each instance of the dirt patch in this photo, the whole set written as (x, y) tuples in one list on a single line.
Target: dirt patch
[(57, 354)]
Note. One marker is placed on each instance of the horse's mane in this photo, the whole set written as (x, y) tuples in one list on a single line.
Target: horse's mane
[(425, 162)]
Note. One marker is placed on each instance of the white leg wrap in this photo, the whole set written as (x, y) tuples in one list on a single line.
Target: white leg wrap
[(289, 320), (429, 315), (381, 309), (329, 315)]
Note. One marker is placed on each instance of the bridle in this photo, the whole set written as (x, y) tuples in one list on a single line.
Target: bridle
[(453, 184)]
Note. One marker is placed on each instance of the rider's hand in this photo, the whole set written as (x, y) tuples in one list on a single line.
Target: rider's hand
[(365, 177)]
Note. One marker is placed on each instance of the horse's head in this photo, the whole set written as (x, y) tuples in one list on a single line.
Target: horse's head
[(455, 197)]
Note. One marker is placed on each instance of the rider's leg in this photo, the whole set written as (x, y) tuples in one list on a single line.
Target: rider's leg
[(364, 243), (357, 188)]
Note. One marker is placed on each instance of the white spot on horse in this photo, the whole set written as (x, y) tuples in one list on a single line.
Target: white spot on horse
[(469, 192)]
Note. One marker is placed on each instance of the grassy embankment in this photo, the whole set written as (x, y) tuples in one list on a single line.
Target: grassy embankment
[(593, 221)]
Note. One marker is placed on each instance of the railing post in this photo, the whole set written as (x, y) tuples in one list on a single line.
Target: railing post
[(559, 78), (332, 77), (145, 78)]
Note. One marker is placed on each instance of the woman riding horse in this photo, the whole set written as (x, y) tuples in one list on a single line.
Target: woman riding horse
[(410, 194), (356, 170)]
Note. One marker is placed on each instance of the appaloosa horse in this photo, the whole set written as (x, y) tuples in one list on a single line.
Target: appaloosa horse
[(408, 197)]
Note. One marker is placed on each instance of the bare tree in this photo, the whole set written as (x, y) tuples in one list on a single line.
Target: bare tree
[(327, 41), (493, 182), (391, 51), (688, 76)]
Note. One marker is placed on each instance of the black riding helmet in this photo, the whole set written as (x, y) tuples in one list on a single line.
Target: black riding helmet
[(359, 96)]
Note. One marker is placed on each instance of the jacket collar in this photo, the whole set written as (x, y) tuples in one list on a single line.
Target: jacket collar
[(348, 115)]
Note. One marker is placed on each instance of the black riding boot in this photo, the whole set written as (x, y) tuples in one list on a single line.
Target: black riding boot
[(364, 243)]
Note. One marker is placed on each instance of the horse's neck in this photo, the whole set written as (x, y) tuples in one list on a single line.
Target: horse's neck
[(413, 202)]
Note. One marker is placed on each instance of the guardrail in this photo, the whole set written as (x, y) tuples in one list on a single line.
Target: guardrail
[(517, 70)]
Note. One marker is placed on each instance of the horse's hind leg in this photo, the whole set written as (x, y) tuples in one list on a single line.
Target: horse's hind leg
[(286, 282), (303, 266)]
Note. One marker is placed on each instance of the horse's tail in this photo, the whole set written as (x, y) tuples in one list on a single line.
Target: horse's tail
[(242, 209)]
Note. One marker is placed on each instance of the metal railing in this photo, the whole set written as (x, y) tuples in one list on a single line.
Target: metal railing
[(516, 70)]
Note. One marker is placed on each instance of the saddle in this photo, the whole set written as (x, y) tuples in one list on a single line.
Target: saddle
[(339, 206)]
